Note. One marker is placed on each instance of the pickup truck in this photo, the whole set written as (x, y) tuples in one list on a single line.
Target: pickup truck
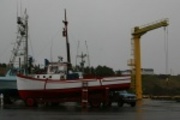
[(123, 97), (128, 98)]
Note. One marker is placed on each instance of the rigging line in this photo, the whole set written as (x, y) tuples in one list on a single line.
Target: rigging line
[(17, 9), (51, 54), (3, 53), (51, 48), (43, 49), (30, 41), (20, 7)]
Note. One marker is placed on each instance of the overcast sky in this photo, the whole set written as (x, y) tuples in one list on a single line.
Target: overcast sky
[(106, 26)]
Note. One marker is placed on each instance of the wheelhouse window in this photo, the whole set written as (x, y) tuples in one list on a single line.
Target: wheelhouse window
[(53, 69)]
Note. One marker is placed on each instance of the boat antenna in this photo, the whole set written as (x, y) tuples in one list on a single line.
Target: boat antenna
[(20, 8), (88, 60), (87, 53), (82, 56), (17, 9), (65, 34), (51, 58), (77, 52)]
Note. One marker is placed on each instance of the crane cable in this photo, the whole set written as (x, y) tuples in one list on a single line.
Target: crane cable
[(166, 49)]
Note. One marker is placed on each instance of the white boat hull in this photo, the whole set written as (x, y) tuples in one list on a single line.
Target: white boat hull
[(29, 87), (26, 83)]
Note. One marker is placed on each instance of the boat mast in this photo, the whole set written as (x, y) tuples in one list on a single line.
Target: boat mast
[(87, 54), (65, 34), (21, 50), (82, 56), (26, 41)]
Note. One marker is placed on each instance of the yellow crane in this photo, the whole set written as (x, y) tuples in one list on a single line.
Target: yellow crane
[(138, 31)]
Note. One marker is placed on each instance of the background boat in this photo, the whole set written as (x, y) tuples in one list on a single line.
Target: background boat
[(18, 61)]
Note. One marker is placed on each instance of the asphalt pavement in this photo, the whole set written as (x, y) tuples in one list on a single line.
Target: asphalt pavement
[(144, 110)]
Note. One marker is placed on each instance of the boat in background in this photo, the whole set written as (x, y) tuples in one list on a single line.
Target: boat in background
[(8, 85), (18, 61), (61, 84)]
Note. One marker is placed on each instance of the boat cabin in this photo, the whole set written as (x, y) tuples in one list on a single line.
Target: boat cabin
[(57, 67), (59, 71)]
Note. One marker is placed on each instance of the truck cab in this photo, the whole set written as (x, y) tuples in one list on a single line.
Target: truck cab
[(123, 97)]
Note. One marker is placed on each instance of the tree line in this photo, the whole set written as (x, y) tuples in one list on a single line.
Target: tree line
[(100, 71), (3, 65)]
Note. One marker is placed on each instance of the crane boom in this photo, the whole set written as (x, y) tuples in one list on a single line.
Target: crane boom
[(137, 33), (145, 28)]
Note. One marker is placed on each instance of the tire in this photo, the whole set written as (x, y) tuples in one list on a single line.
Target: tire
[(54, 104), (95, 104), (120, 103), (30, 102), (133, 104), (109, 104)]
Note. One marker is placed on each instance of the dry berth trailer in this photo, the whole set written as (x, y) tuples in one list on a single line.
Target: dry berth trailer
[(93, 96)]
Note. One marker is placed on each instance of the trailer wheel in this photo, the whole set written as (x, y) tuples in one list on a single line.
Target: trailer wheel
[(133, 104), (120, 103), (54, 104), (107, 104), (30, 102), (95, 104)]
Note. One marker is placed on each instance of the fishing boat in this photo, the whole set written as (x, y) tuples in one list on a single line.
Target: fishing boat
[(8, 85), (60, 83)]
